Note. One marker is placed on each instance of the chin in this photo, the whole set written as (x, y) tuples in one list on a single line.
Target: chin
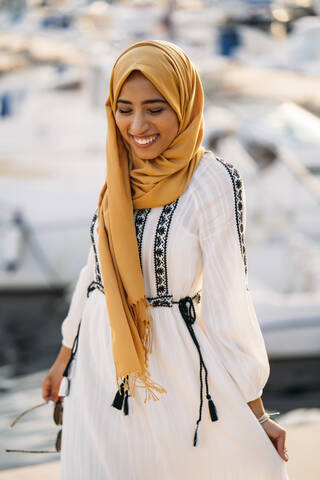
[(147, 155)]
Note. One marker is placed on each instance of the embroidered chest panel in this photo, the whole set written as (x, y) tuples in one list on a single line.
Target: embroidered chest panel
[(160, 255), (238, 204), (163, 297), (160, 251), (140, 222)]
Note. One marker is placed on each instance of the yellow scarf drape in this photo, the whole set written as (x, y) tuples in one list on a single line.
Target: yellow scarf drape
[(134, 183)]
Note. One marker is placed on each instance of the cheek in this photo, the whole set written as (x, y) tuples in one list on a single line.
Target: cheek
[(121, 124)]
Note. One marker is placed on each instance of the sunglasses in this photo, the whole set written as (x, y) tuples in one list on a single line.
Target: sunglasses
[(57, 418)]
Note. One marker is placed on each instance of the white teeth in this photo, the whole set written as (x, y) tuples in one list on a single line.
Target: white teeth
[(145, 140)]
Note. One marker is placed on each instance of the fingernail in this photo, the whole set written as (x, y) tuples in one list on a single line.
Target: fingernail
[(286, 456)]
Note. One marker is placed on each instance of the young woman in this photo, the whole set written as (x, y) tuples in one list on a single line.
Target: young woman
[(170, 364)]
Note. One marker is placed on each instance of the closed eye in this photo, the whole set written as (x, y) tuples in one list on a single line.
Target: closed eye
[(124, 111), (158, 110)]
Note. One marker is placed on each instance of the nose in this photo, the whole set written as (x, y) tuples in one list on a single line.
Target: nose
[(139, 124)]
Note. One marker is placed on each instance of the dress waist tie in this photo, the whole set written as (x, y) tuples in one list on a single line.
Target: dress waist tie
[(188, 313)]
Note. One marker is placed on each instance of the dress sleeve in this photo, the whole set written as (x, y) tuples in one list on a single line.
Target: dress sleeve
[(70, 324), (227, 311)]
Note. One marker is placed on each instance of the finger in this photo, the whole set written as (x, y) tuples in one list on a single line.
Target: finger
[(46, 389), (54, 395), (56, 391), (281, 446)]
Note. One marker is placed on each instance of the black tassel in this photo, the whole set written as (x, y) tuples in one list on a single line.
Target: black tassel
[(126, 404), (195, 437), (212, 409), (118, 399)]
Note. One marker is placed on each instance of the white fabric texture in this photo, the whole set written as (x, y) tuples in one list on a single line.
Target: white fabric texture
[(203, 251)]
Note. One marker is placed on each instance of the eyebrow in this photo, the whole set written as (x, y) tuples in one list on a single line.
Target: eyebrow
[(153, 100)]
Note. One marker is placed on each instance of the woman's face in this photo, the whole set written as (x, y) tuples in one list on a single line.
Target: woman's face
[(145, 119)]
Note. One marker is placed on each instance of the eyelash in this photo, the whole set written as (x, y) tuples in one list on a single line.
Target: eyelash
[(159, 110)]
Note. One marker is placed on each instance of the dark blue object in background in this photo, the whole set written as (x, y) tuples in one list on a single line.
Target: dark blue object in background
[(56, 21), (228, 40), (6, 104)]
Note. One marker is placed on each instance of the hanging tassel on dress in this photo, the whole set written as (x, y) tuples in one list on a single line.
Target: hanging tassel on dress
[(195, 437), (212, 409), (121, 399), (118, 399), (188, 313), (126, 404)]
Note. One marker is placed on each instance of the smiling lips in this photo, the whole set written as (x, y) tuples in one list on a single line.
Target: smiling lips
[(145, 141)]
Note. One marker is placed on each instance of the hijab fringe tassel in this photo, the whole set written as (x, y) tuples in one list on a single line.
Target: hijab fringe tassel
[(134, 380)]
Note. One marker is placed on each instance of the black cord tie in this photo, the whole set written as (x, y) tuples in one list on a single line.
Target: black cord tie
[(187, 310), (73, 352), (93, 285), (121, 399)]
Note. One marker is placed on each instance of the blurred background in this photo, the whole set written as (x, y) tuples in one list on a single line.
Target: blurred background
[(259, 62)]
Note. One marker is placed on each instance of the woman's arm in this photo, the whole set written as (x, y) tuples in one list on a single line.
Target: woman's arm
[(52, 380), (275, 432), (257, 407), (69, 328), (70, 324), (227, 310)]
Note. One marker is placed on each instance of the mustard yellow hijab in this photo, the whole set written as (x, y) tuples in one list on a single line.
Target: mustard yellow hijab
[(134, 183)]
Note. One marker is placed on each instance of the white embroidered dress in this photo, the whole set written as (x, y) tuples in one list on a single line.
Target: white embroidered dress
[(195, 243)]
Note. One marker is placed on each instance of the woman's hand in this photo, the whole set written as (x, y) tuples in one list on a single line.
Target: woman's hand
[(277, 435), (52, 380)]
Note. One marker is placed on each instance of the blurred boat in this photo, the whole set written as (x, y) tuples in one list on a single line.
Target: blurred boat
[(290, 324), (50, 179), (297, 51)]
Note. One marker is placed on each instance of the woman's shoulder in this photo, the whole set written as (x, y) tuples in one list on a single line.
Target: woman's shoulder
[(215, 176)]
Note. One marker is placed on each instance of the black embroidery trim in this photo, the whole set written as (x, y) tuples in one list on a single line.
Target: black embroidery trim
[(161, 301), (167, 300), (237, 189), (97, 283), (160, 254), (140, 222)]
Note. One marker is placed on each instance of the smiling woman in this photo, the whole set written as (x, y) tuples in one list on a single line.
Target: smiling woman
[(145, 119), (170, 222)]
